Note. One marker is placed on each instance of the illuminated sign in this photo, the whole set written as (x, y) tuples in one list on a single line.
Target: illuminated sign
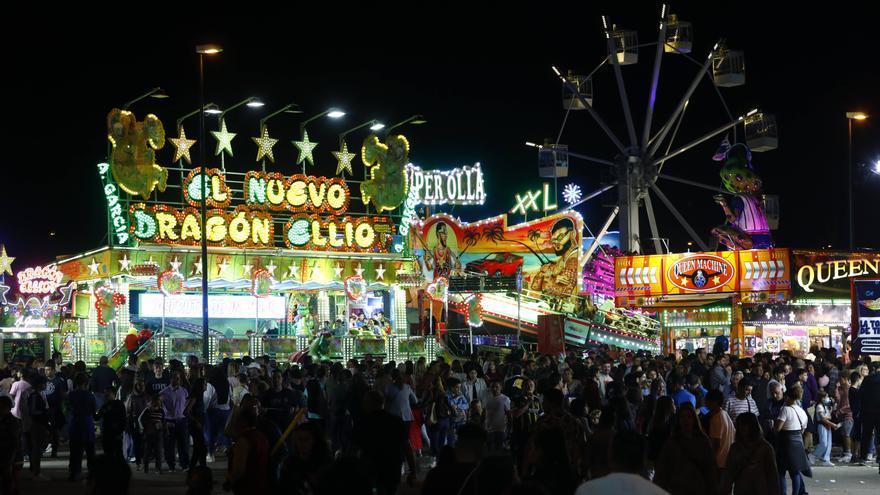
[(39, 280), (826, 271), (459, 186), (252, 224), (701, 273), (529, 201), (150, 305), (759, 275), (866, 316), (118, 220)]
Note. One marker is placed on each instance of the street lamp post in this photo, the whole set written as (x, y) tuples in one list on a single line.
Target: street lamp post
[(157, 93), (850, 116), (203, 50), (374, 124), (412, 119)]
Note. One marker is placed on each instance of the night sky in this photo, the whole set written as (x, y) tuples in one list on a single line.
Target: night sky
[(481, 79)]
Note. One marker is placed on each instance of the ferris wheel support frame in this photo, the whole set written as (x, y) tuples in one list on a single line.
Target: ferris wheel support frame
[(637, 169)]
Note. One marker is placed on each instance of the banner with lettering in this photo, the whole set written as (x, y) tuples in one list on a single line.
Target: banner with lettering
[(762, 274), (827, 274)]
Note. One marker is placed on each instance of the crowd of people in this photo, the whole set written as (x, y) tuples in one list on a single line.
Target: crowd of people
[(702, 422)]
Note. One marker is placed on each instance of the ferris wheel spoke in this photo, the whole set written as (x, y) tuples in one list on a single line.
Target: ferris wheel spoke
[(678, 216), (571, 87), (652, 221), (681, 104), (701, 139), (692, 183), (655, 80), (621, 89)]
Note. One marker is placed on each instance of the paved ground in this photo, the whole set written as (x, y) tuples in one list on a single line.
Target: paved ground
[(841, 479)]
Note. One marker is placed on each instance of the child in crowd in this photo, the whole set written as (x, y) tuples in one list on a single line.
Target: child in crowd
[(822, 454), (475, 413), (459, 405), (152, 422)]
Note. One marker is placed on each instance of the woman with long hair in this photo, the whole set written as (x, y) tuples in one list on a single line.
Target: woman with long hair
[(660, 427), (791, 455), (751, 463), (310, 454), (686, 464), (195, 414), (219, 408)]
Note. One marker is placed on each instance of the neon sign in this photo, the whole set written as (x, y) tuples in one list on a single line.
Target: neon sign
[(117, 218), (252, 224), (39, 280), (529, 201), (824, 272), (459, 186)]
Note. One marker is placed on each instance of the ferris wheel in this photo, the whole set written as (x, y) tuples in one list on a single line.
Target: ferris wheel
[(640, 157)]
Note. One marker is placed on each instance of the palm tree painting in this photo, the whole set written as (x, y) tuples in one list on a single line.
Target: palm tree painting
[(470, 238)]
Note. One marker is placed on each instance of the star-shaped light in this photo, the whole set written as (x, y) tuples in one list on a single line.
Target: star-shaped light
[(716, 280), (359, 270), (337, 270), (684, 281), (293, 270), (246, 268), (197, 266), (316, 272), (791, 316), (175, 265), (182, 145), (222, 267), (305, 149), (768, 313), (124, 263), (380, 272), (343, 159), (93, 267), (5, 261), (264, 145), (271, 268), (224, 139)]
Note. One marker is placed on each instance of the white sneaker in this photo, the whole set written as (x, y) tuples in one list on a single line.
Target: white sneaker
[(845, 458), (209, 458), (871, 457), (825, 464), (811, 458)]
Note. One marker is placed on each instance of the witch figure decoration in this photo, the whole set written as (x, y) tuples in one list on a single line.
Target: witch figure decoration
[(746, 224)]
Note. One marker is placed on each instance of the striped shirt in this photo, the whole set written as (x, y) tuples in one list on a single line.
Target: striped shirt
[(735, 406)]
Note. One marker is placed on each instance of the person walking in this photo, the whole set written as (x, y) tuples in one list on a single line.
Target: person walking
[(721, 429), (112, 414), (791, 457), (174, 400), (751, 462), (686, 464), (151, 421), (195, 422), (824, 427), (498, 415), (137, 401), (81, 434), (219, 407), (38, 421)]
